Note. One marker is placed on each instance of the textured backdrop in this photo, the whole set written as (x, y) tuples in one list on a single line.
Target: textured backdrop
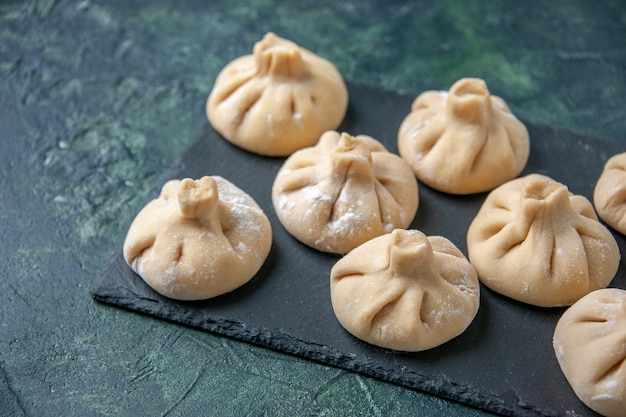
[(97, 98)]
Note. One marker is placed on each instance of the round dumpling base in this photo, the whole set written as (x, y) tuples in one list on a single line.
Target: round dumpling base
[(405, 291), (277, 100), (534, 241), (343, 192), (609, 196), (463, 141), (590, 346), (199, 239)]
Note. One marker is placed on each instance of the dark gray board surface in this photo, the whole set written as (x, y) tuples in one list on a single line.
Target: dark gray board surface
[(502, 363)]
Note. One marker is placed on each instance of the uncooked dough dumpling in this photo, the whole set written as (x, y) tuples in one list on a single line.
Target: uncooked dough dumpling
[(534, 241), (277, 100), (199, 239), (344, 191), (405, 291), (590, 346), (464, 140), (609, 196)]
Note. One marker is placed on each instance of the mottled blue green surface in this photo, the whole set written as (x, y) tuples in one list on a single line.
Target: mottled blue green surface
[(97, 98)]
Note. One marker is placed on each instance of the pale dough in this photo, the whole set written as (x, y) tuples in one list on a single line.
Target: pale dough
[(405, 291), (464, 140), (609, 195), (198, 239), (590, 346), (277, 100), (344, 191), (534, 241)]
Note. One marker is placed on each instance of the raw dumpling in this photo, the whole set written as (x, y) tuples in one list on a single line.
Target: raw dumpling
[(405, 291), (463, 141), (609, 195), (199, 239), (534, 241), (277, 100), (344, 191), (590, 346)]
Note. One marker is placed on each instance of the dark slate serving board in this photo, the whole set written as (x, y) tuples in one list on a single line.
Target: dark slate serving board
[(504, 361)]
